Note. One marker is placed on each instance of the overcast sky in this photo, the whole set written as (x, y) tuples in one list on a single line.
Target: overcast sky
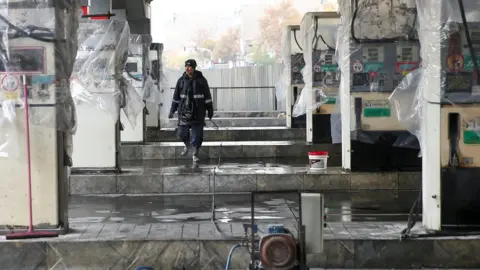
[(194, 14)]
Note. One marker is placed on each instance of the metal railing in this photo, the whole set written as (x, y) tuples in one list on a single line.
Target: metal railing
[(214, 91)]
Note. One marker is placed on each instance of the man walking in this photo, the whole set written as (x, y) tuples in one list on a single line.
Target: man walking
[(192, 99)]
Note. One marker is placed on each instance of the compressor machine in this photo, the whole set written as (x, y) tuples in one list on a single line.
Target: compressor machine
[(279, 247)]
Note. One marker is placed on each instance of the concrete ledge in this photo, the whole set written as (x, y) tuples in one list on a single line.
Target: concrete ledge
[(158, 182), (228, 114), (241, 122), (245, 149), (184, 246), (234, 134)]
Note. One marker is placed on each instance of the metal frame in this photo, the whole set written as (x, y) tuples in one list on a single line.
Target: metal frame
[(319, 16), (289, 99), (430, 127)]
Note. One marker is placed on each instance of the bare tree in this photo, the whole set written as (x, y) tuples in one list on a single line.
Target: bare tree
[(273, 22)]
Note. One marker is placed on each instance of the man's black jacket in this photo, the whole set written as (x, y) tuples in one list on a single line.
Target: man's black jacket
[(201, 96)]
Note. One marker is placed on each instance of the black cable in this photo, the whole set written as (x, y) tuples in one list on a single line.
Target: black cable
[(22, 33), (131, 76), (414, 211), (319, 36), (315, 37), (324, 42), (296, 41), (469, 40)]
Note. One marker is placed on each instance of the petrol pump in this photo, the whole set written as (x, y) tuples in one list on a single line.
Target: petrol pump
[(137, 71), (378, 46), (38, 48), (449, 33), (155, 56), (100, 92), (322, 75), (292, 57)]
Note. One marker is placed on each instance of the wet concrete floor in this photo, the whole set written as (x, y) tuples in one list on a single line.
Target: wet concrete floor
[(341, 207)]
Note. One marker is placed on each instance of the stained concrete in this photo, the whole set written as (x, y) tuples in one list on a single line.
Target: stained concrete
[(241, 122), (234, 134), (105, 241), (182, 246), (340, 207), (230, 149), (155, 177)]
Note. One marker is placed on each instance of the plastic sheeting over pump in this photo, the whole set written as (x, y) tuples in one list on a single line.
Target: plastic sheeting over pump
[(98, 72), (320, 74), (448, 77), (38, 40), (138, 67), (377, 46), (292, 60)]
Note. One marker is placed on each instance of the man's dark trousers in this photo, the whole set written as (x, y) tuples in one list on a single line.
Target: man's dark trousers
[(196, 139)]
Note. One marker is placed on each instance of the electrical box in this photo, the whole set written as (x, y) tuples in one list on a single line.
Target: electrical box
[(313, 218)]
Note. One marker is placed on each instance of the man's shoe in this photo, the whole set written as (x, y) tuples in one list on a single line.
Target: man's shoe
[(195, 155), (185, 151)]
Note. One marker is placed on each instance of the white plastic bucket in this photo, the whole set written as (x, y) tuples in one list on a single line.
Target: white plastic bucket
[(318, 161)]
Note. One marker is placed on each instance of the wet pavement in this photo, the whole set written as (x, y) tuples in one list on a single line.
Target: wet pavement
[(374, 206), (227, 166)]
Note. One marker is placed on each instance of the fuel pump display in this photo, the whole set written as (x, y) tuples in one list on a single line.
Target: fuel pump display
[(374, 58), (38, 46)]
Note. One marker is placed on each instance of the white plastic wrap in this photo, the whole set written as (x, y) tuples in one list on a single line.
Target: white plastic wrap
[(367, 24), (446, 58), (281, 88), (98, 72), (291, 48), (138, 56), (407, 101), (317, 34), (381, 19), (38, 41)]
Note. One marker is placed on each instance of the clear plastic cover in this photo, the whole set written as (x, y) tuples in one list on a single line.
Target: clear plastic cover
[(448, 77), (281, 88), (38, 41), (98, 77), (377, 47), (139, 66), (292, 61), (321, 73)]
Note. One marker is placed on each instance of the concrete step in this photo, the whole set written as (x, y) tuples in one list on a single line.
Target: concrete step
[(127, 244), (248, 114), (239, 149), (239, 122), (174, 177), (234, 134)]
